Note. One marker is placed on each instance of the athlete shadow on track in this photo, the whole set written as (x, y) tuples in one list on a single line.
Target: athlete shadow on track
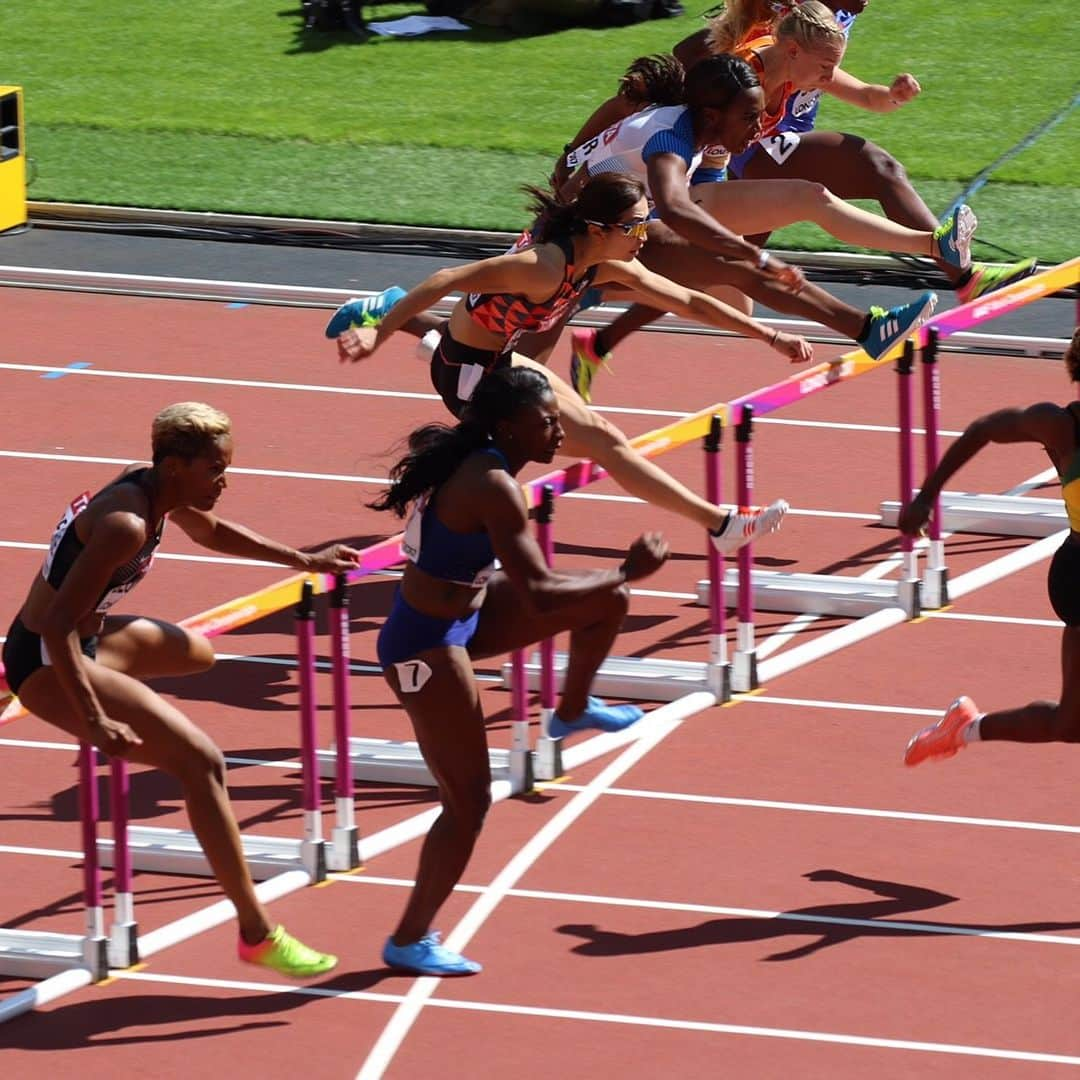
[(112, 1019), (869, 557), (834, 923)]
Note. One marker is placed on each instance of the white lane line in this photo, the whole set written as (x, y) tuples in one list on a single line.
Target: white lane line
[(625, 1019), (311, 388), (843, 811), (900, 926), (1011, 620), (49, 853), (654, 728)]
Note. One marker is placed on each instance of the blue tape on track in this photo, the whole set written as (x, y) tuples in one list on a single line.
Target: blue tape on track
[(72, 367), (1020, 147)]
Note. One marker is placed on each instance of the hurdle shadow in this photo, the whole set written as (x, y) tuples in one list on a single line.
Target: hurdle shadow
[(966, 544), (869, 919), (110, 1019)]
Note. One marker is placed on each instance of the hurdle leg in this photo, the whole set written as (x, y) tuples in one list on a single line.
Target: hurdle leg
[(548, 763), (344, 853), (935, 587), (521, 772), (744, 674), (718, 672), (95, 944), (123, 934), (908, 590), (313, 847)]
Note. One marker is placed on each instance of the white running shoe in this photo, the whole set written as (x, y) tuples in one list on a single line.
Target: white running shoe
[(743, 526)]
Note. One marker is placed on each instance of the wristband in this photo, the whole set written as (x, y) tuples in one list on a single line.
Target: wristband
[(763, 259)]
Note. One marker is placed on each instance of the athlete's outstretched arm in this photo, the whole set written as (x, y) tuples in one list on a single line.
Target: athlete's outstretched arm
[(873, 96), (230, 538), (662, 293), (1045, 423), (523, 272)]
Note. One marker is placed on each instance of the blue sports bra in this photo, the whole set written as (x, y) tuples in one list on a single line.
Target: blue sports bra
[(460, 558)]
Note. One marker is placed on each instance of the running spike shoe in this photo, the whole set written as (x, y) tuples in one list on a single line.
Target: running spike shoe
[(986, 278), (953, 237), (944, 738), (281, 952), (890, 325), (598, 714), (745, 525), (428, 956), (585, 362), (363, 311)]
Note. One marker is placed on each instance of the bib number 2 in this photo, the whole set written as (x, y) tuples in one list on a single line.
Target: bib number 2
[(780, 147), (412, 675)]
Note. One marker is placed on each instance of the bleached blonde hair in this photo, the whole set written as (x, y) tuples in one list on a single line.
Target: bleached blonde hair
[(187, 430), (813, 27), (811, 24)]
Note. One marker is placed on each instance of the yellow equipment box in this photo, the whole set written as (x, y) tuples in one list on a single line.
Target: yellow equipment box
[(12, 158)]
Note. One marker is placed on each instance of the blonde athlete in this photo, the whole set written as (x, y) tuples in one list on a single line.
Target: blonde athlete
[(80, 668)]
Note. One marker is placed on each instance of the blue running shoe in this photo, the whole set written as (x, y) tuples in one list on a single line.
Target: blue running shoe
[(428, 956), (362, 311), (599, 715), (953, 237), (890, 325)]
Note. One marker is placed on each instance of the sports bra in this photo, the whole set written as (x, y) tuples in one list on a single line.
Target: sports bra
[(511, 316), (460, 558), (1070, 475), (65, 547)]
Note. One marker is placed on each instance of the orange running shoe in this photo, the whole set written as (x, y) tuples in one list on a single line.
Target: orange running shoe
[(943, 739)]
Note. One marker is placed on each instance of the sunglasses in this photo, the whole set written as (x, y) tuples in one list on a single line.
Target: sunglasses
[(638, 229)]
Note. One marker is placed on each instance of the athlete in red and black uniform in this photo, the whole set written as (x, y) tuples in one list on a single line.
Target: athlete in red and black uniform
[(590, 238)]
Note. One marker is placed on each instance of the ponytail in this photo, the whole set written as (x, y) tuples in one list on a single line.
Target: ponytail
[(436, 451), (654, 80), (602, 199)]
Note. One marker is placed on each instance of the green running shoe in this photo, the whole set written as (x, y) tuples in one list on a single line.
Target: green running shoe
[(281, 952), (985, 278)]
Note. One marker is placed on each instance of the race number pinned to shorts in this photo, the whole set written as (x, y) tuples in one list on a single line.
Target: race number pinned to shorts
[(781, 146), (412, 675)]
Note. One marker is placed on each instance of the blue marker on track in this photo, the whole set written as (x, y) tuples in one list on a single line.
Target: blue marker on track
[(74, 366)]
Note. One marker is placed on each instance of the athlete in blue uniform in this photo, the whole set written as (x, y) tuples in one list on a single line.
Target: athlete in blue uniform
[(452, 607), (80, 668)]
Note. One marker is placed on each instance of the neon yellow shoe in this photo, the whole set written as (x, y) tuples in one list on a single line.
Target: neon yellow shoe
[(985, 278), (281, 952), (585, 362)]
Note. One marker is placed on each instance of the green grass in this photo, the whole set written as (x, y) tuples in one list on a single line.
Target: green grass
[(224, 105)]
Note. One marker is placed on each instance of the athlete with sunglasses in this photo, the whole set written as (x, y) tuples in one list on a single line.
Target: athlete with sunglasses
[(588, 239)]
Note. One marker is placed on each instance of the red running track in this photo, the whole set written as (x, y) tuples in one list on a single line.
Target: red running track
[(766, 892)]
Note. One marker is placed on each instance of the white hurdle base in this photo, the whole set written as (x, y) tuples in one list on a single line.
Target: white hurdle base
[(629, 677), (29, 954), (1001, 515), (176, 851), (388, 761), (816, 594)]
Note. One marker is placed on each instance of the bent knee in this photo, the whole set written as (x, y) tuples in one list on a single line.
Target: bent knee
[(201, 653), (882, 164), (468, 807), (199, 762), (811, 194)]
